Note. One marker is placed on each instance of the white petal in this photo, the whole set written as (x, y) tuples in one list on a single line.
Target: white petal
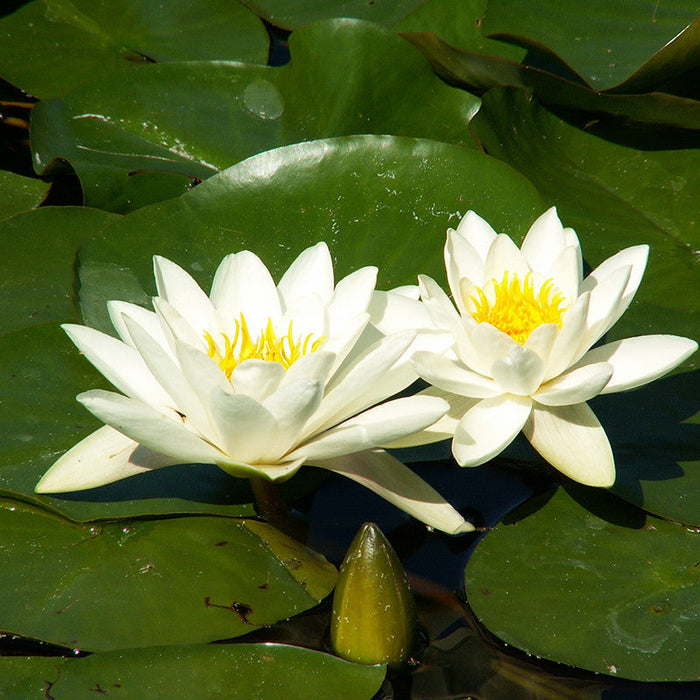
[(348, 341), (394, 481), (352, 295), (292, 405), (148, 320), (461, 262), (310, 273), (439, 306), (308, 316), (634, 257), (568, 339), (176, 326), (119, 363), (169, 375), (603, 306), (392, 312), (179, 289), (567, 272), (249, 432), (443, 428), (637, 361), (101, 458), (386, 422), (410, 291), (479, 234), (544, 242), (156, 430), (488, 428), (489, 344), (445, 316), (542, 339), (202, 372), (243, 285), (452, 376), (257, 378), (575, 386), (279, 471), (363, 383), (316, 365), (519, 372), (571, 439), (504, 256)]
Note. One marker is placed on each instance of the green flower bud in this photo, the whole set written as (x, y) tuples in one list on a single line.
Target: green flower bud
[(374, 614)]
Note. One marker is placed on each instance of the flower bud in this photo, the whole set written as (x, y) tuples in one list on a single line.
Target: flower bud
[(374, 614)]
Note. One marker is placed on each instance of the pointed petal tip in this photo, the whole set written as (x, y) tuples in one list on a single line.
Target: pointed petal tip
[(603, 478), (463, 529)]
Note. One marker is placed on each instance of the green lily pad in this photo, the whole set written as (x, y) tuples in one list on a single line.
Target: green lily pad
[(605, 43), (380, 200), (90, 37), (18, 193), (655, 434), (171, 581), (613, 196), (292, 14), (591, 582), (476, 71), (41, 372), (458, 24), (192, 119), (36, 265), (231, 672)]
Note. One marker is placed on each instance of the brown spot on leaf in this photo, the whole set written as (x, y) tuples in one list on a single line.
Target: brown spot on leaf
[(243, 610)]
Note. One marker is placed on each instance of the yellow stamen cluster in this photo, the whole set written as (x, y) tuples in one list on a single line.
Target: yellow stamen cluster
[(269, 347), (517, 309)]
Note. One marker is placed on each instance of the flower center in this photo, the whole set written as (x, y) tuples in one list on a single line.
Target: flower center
[(517, 309), (269, 347)]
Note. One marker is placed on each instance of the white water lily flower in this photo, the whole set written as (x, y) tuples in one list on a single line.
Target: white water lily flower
[(521, 360), (258, 379)]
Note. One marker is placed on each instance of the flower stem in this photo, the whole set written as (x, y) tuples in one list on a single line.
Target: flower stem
[(273, 508)]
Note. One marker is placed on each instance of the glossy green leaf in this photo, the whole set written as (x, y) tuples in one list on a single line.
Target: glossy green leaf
[(171, 581), (590, 582), (458, 24), (478, 72), (40, 374), (90, 37), (605, 43), (36, 265), (655, 434), (292, 14), (231, 672), (18, 193), (193, 119), (303, 563), (613, 197), (374, 199)]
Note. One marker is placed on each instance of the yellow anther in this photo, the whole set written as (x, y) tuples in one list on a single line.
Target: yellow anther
[(518, 309), (285, 350)]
